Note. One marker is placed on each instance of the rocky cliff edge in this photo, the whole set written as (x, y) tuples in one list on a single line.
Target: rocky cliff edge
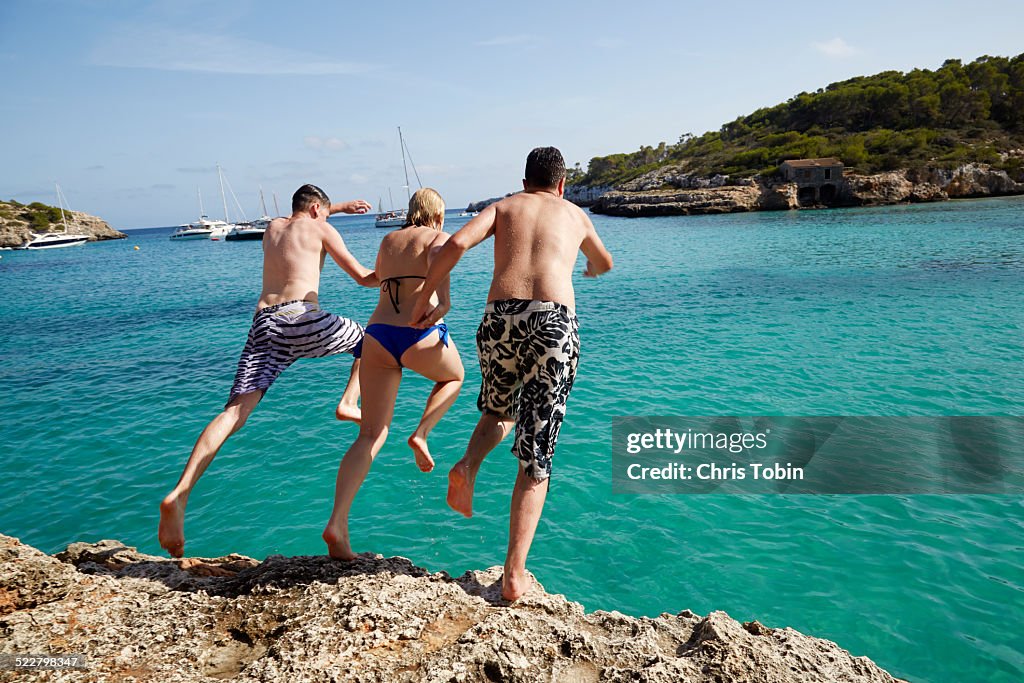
[(15, 230), (142, 618), (670, 192)]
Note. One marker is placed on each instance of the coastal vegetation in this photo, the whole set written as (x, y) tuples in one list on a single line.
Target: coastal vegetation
[(956, 114), (19, 221), (39, 216)]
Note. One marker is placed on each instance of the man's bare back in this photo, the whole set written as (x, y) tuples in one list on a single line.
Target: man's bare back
[(537, 236), (293, 256)]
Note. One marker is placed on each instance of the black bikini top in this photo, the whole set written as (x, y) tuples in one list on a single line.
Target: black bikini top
[(391, 285)]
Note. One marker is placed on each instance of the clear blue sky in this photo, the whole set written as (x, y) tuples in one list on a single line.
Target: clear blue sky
[(130, 104)]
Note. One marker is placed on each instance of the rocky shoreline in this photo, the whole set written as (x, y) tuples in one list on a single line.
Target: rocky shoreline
[(138, 617), (15, 231), (669, 192)]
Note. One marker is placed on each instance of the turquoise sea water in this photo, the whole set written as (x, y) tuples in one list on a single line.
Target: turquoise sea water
[(112, 360)]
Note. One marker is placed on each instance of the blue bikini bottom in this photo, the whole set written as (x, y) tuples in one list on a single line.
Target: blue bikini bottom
[(397, 338)]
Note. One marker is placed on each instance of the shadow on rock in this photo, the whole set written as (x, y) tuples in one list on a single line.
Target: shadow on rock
[(232, 575)]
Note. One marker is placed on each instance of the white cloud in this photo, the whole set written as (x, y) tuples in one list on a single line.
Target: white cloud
[(330, 144), (521, 39), (836, 48), (167, 50)]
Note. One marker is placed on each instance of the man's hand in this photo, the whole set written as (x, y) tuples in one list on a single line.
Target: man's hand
[(424, 314), (589, 271), (354, 206)]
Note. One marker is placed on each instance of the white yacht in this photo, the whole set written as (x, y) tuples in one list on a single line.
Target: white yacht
[(244, 232), (205, 228), (391, 219), (193, 231), (251, 230), (53, 240)]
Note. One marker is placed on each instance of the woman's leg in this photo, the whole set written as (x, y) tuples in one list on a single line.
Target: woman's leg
[(379, 377), (432, 359)]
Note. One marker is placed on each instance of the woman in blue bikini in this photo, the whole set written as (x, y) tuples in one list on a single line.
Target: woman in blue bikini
[(389, 346)]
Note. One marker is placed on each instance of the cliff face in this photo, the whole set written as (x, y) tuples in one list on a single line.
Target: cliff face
[(729, 199), (144, 618), (647, 196), (14, 230)]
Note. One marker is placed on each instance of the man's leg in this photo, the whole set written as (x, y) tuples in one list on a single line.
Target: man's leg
[(172, 509), (348, 406), (498, 374), (527, 503), (548, 377), (489, 432)]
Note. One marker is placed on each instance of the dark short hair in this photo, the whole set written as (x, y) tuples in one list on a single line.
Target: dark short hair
[(544, 167), (307, 195)]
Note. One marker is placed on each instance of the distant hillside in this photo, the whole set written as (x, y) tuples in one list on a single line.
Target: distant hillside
[(18, 220), (942, 119)]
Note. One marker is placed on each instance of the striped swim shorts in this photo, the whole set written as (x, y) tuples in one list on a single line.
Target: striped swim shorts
[(282, 334)]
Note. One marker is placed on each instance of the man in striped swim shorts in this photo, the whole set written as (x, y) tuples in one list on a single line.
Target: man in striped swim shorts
[(288, 325)]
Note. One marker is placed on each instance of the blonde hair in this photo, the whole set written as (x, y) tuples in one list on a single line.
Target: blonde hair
[(426, 208)]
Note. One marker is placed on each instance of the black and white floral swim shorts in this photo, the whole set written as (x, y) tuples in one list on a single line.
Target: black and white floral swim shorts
[(528, 351)]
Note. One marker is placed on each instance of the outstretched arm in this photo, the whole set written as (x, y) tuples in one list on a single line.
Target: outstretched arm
[(444, 301), (471, 234), (599, 260), (335, 246), (354, 206)]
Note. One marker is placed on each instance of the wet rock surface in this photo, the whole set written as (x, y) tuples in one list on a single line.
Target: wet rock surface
[(143, 618)]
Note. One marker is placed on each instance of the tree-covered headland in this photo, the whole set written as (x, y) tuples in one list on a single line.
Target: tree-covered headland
[(956, 114)]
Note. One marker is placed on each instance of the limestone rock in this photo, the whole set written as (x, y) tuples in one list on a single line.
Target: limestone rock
[(779, 197), (728, 199), (669, 190), (140, 617), (585, 195), (15, 230)]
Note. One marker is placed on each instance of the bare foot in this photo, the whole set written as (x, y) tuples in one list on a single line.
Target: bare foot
[(348, 413), (171, 531), (422, 453), (337, 545), (514, 585), (460, 489)]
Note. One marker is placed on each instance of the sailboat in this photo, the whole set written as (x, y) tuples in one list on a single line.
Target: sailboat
[(205, 228), (52, 240), (396, 218), (252, 230)]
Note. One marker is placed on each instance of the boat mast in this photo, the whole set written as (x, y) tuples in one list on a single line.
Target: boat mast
[(60, 202), (412, 162), (263, 203), (202, 211), (401, 142), (223, 199), (277, 211)]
